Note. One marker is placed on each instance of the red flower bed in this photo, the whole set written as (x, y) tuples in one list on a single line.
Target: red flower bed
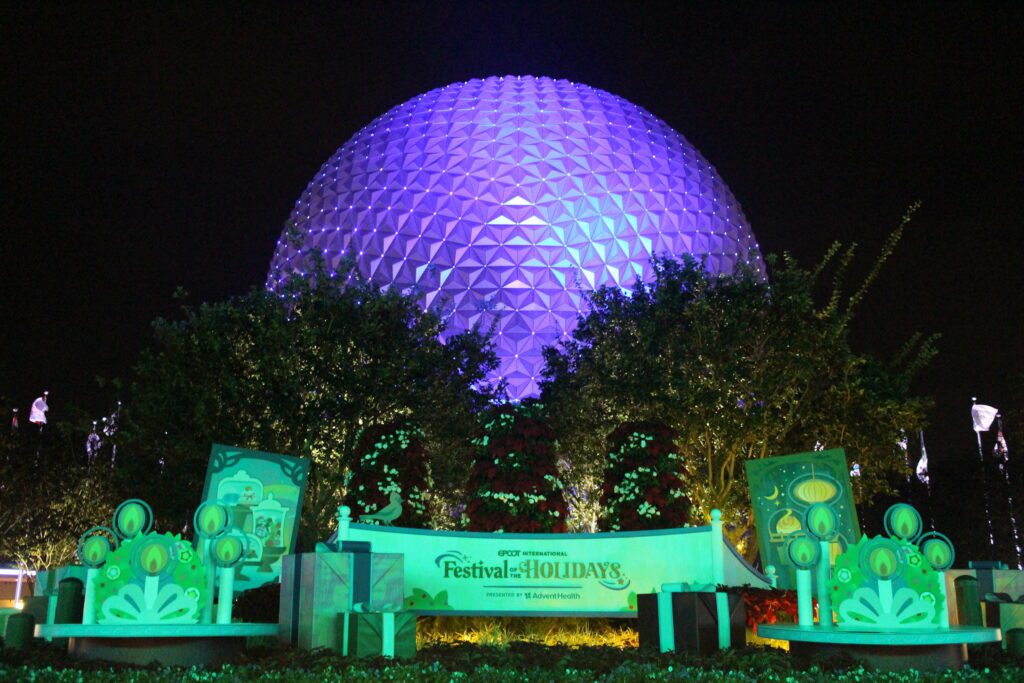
[(769, 606), (643, 482), (515, 483)]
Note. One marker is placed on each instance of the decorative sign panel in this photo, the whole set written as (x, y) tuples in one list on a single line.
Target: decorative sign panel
[(263, 492), (551, 574), (781, 490)]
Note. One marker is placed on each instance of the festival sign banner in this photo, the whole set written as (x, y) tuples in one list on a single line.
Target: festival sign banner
[(263, 493), (600, 574), (781, 490)]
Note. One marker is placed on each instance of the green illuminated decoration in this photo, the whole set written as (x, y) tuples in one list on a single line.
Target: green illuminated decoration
[(783, 489), (136, 576), (132, 518), (803, 552), (211, 519), (153, 555), (880, 559), (151, 579), (228, 549), (95, 546), (893, 583), (822, 522), (903, 521), (938, 550)]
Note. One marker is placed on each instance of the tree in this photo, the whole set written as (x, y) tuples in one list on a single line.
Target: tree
[(48, 497), (644, 482), (301, 372), (391, 458), (740, 369), (515, 484)]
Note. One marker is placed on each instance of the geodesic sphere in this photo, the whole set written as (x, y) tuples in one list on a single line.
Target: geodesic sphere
[(505, 199)]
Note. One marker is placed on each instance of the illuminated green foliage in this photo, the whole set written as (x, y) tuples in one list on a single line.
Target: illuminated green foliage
[(740, 368), (302, 374)]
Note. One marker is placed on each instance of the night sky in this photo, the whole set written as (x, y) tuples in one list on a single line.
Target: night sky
[(146, 149)]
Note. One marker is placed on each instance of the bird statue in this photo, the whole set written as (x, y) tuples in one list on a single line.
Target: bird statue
[(386, 514)]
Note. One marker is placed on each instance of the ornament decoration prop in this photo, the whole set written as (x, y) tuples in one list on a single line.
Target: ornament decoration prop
[(153, 556), (211, 519), (821, 522), (894, 582), (938, 550), (226, 551), (902, 521), (783, 488), (132, 518), (880, 559), (504, 200), (137, 576), (803, 553), (94, 547)]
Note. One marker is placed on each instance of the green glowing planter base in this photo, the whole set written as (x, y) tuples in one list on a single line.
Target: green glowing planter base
[(935, 650), (172, 644)]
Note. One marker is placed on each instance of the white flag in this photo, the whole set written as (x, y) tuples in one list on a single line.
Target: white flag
[(37, 413), (922, 464), (983, 416)]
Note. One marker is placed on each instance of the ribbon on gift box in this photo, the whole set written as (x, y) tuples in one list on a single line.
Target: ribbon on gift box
[(387, 636), (666, 628)]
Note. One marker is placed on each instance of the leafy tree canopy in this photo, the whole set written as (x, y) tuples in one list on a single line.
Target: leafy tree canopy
[(48, 496), (301, 372), (741, 369)]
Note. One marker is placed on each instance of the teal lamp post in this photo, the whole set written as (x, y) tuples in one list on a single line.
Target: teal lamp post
[(94, 547), (210, 522), (938, 551), (803, 553), (821, 523), (226, 551)]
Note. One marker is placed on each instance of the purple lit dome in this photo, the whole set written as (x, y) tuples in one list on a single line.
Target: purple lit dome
[(507, 198)]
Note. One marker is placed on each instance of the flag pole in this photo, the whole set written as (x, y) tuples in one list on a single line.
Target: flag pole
[(1004, 467), (925, 477), (984, 484)]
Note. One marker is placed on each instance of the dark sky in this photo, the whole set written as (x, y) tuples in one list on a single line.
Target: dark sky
[(146, 148)]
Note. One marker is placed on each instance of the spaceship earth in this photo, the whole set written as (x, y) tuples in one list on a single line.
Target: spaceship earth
[(503, 200)]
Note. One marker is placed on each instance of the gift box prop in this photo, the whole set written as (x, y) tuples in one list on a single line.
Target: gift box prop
[(1002, 593), (378, 634), (691, 619), (318, 587)]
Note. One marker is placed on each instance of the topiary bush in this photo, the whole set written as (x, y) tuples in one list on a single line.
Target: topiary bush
[(391, 459), (515, 485), (643, 480)]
